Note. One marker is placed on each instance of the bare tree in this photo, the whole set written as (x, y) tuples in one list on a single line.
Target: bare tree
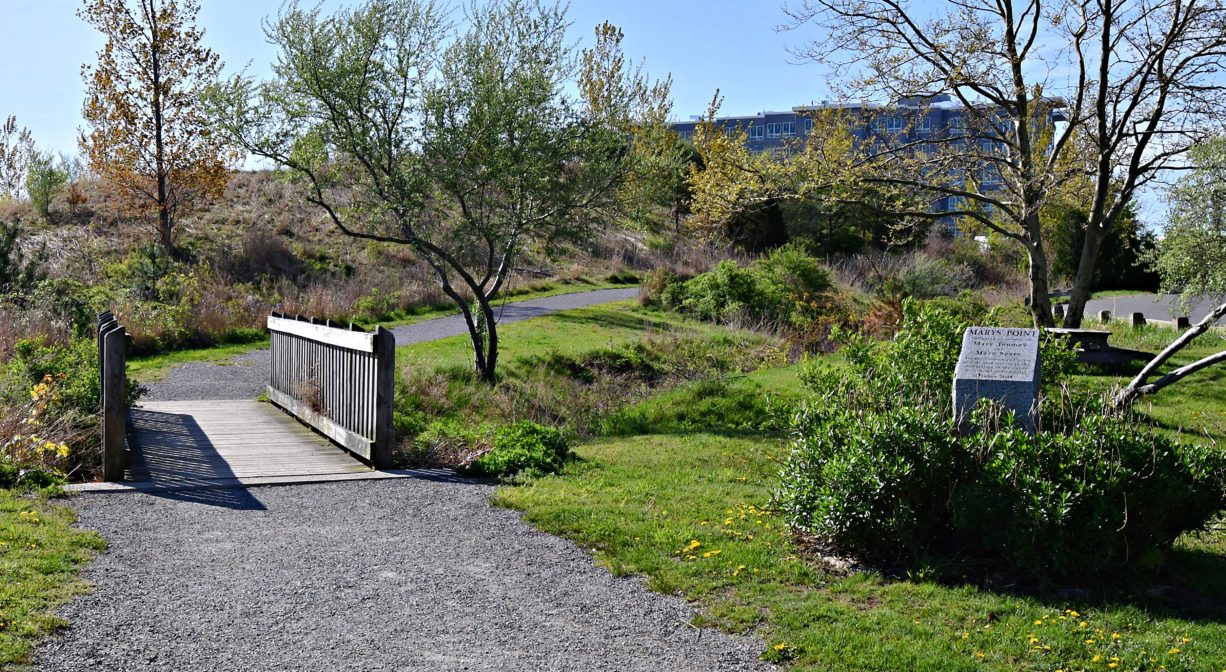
[(1135, 84), (16, 147)]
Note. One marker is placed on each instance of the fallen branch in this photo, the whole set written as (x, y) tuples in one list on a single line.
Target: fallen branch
[(1138, 387)]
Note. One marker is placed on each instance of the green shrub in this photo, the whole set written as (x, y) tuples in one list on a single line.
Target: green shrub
[(874, 483), (1102, 498), (523, 448), (1105, 499), (877, 469), (785, 288), (26, 477), (74, 367)]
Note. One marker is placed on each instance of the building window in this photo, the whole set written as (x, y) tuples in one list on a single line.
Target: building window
[(924, 125), (878, 123), (685, 135), (772, 130), (808, 125), (730, 130), (894, 124), (789, 129), (957, 126), (755, 131)]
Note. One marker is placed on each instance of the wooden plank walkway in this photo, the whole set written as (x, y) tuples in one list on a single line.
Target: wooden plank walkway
[(197, 443)]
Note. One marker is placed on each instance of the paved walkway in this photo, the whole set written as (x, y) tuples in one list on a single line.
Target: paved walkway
[(1154, 306), (245, 376), (415, 573)]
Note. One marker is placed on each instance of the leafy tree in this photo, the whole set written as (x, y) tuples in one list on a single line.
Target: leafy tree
[(16, 146), (44, 178), (467, 154), (1191, 258), (148, 137), (1123, 260), (1133, 86)]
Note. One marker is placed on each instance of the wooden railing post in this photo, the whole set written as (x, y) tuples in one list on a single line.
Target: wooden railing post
[(113, 340), (385, 371)]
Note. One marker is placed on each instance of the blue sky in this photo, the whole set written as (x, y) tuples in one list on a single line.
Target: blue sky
[(732, 46)]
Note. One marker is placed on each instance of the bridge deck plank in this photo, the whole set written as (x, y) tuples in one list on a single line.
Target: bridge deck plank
[(177, 443)]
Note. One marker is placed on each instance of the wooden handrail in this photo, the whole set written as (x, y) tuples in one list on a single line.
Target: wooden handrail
[(113, 386), (337, 380)]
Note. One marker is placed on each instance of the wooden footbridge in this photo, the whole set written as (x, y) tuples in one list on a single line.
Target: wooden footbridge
[(329, 415)]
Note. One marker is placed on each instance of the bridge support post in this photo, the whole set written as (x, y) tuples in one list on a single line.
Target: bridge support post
[(112, 371), (385, 373)]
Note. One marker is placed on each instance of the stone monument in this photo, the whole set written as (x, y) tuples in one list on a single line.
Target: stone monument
[(1001, 364)]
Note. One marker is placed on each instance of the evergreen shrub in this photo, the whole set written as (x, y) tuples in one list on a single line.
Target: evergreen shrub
[(878, 470)]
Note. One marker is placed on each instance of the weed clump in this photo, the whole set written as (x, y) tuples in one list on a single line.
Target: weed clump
[(522, 449)]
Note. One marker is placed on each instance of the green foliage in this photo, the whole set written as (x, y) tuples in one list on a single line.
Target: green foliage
[(784, 288), (1122, 260), (876, 483), (1104, 498), (18, 273), (149, 272), (918, 365), (486, 142), (377, 305), (76, 365), (877, 468), (15, 476), (1191, 257), (927, 278), (43, 180), (523, 448)]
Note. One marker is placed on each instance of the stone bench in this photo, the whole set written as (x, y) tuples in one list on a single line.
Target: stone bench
[(1092, 347)]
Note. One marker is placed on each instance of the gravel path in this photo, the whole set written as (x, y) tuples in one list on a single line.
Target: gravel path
[(1154, 306), (374, 575), (245, 376)]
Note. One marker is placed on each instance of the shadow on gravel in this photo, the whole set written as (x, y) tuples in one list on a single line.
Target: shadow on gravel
[(171, 450)]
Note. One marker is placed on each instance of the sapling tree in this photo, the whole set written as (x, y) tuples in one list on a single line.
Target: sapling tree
[(16, 146), (466, 152), (147, 137)]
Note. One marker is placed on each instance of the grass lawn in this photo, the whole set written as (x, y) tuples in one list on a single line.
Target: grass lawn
[(1104, 294), (41, 556), (569, 332), (1195, 406), (152, 368)]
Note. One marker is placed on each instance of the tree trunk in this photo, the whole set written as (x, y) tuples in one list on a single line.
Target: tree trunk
[(491, 341), (163, 197), (1085, 275), (1040, 301)]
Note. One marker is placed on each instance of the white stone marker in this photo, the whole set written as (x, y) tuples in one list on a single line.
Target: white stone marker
[(1001, 364)]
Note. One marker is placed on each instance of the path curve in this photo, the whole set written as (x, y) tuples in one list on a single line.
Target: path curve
[(1153, 306), (245, 376)]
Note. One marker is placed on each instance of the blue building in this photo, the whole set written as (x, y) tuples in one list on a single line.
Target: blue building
[(911, 121)]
